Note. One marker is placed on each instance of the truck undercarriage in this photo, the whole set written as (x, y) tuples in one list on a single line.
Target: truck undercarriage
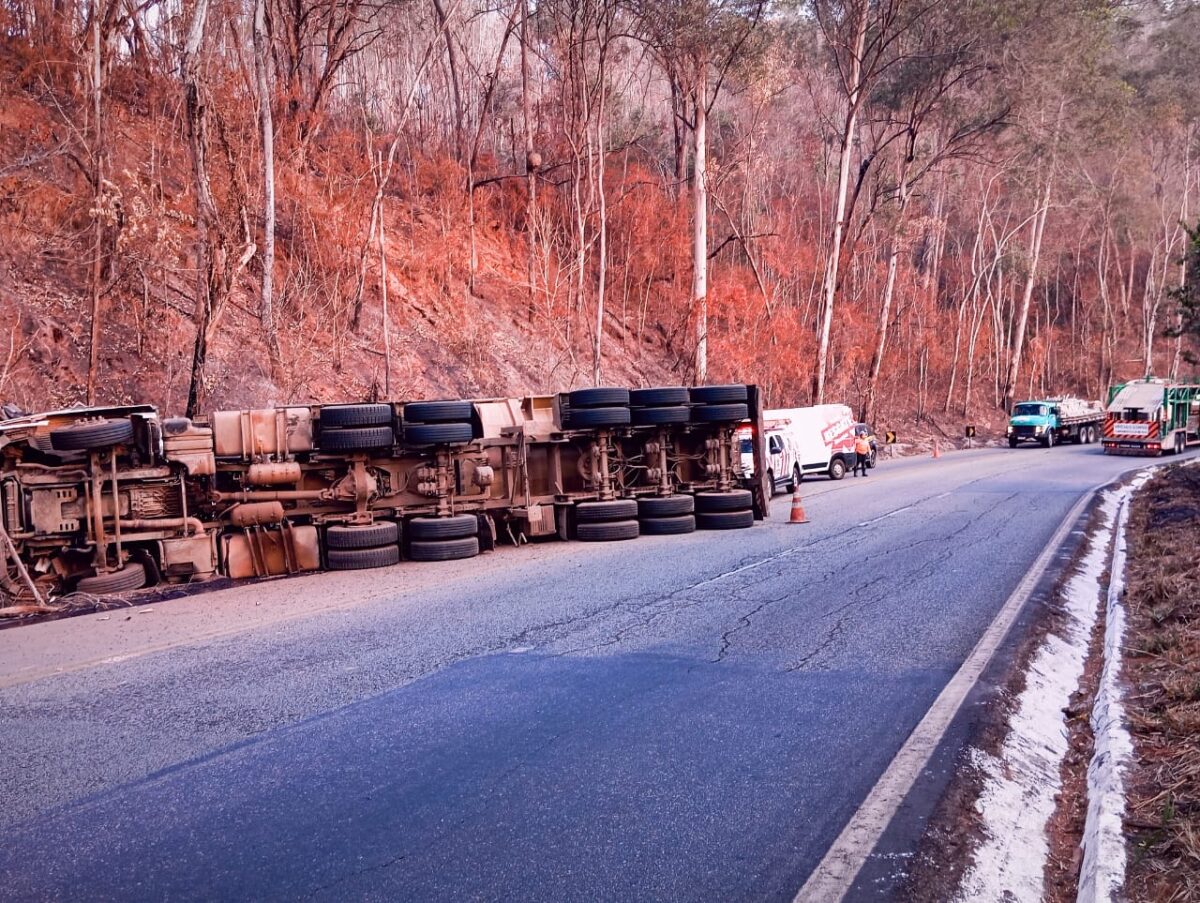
[(108, 500)]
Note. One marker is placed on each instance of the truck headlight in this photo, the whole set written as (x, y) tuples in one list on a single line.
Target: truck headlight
[(1039, 429), (1008, 430)]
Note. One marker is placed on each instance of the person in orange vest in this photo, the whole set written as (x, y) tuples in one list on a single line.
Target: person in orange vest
[(862, 451)]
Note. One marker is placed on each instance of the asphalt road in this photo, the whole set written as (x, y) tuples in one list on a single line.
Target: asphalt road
[(675, 718)]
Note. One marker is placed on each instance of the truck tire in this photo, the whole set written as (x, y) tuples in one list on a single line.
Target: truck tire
[(661, 415), (362, 536), (720, 413), (668, 526), (718, 394), (365, 438), (725, 520), (659, 397), (873, 458), (607, 531), (88, 435), (333, 416), (658, 506), (459, 526), (1048, 440), (362, 559), (1013, 441), (125, 580), (837, 468), (582, 418), (617, 509), (599, 397), (439, 411), (444, 549), (734, 500), (770, 484), (797, 479), (437, 433)]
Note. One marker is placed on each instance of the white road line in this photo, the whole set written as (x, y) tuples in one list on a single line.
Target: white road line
[(892, 513), (835, 874)]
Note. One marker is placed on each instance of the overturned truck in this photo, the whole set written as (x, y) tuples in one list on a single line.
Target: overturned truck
[(107, 500)]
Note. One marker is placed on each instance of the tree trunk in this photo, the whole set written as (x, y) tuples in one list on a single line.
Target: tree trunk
[(531, 162), (700, 228), (1035, 252), (97, 205), (197, 138), (383, 291), (829, 290), (262, 75), (452, 60), (679, 135), (602, 210), (885, 307)]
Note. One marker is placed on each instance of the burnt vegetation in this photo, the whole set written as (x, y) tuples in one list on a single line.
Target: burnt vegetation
[(1163, 669), (924, 209)]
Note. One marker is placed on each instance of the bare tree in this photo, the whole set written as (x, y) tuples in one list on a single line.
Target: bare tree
[(861, 35), (262, 74), (699, 41), (219, 259)]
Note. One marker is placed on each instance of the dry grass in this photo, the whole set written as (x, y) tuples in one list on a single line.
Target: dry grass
[(1163, 667)]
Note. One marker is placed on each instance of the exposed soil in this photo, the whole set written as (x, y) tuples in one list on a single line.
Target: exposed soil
[(1162, 667)]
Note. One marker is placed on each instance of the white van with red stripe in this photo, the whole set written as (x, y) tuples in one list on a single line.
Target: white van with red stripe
[(800, 442)]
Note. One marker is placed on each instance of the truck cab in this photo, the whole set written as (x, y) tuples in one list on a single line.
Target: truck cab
[(1031, 421), (782, 463), (1051, 421)]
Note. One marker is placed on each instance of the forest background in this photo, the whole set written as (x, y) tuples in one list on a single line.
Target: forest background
[(923, 208)]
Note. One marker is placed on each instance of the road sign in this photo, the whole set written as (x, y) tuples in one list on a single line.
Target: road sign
[(889, 438), (970, 432)]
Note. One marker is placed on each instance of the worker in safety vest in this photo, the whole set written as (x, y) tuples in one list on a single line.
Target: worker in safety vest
[(862, 451)]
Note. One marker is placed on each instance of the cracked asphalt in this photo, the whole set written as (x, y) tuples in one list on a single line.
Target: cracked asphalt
[(675, 718)]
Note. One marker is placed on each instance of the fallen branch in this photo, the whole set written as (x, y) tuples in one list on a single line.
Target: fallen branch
[(10, 551)]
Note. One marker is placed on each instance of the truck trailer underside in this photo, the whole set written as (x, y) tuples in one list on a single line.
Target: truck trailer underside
[(107, 500)]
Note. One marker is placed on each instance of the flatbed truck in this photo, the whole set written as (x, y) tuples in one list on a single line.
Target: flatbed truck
[(1053, 421)]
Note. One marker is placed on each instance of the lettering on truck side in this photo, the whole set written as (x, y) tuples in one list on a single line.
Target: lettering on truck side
[(837, 431)]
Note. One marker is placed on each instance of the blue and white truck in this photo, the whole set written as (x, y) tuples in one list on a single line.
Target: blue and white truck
[(1053, 421)]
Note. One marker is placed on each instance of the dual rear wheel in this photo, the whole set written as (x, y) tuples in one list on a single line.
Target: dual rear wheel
[(356, 547)]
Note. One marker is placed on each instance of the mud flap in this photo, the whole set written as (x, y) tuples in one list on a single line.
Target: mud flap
[(487, 533), (760, 493)]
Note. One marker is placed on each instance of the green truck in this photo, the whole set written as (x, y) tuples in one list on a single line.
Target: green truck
[(1052, 421)]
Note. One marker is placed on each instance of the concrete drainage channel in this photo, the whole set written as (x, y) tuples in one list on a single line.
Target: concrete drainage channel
[(1022, 789), (999, 833)]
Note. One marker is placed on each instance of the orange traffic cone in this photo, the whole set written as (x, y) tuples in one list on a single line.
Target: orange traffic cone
[(937, 449), (798, 515)]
